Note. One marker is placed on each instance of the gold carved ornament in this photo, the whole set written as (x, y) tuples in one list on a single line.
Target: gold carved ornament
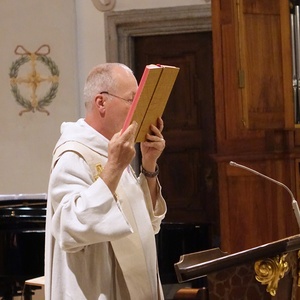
[(33, 78), (270, 271)]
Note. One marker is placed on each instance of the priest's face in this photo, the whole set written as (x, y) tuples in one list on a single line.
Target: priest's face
[(118, 101)]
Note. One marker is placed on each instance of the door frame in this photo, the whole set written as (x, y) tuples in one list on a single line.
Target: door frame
[(122, 26)]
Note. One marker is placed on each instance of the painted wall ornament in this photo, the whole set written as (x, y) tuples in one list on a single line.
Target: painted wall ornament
[(30, 87), (104, 5)]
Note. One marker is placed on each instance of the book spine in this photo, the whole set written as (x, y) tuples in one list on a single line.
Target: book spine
[(146, 96), (135, 101)]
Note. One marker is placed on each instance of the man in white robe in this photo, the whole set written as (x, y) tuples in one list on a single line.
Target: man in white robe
[(101, 218)]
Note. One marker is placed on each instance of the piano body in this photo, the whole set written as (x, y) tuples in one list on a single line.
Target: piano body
[(22, 241)]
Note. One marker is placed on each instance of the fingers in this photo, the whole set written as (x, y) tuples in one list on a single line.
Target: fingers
[(155, 141), (156, 133), (129, 133), (160, 124), (121, 142), (156, 130)]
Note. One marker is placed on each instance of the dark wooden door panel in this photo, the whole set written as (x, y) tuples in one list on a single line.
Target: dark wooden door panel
[(187, 173)]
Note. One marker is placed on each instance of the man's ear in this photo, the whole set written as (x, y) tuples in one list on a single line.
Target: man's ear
[(99, 102)]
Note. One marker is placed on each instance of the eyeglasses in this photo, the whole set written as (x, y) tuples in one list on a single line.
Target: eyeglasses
[(107, 93)]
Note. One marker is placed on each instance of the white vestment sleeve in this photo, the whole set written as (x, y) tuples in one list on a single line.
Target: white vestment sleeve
[(157, 214), (85, 212)]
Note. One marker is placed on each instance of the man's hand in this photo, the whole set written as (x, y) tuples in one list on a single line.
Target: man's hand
[(151, 151), (121, 151), (153, 146)]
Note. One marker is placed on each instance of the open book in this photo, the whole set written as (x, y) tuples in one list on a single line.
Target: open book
[(151, 98)]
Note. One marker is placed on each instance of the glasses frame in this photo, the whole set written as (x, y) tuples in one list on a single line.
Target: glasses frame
[(126, 100)]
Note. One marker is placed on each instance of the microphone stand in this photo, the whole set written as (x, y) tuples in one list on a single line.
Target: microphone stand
[(294, 201)]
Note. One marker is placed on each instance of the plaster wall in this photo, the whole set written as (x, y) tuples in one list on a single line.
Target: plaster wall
[(75, 33)]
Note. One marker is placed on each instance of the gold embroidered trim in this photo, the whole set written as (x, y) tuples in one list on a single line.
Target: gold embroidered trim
[(99, 169)]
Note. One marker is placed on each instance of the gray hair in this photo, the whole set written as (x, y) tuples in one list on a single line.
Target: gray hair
[(101, 78)]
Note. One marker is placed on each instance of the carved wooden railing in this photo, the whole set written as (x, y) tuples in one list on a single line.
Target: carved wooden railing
[(258, 270)]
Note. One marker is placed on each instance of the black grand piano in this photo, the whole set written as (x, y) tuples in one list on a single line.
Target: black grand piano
[(22, 240)]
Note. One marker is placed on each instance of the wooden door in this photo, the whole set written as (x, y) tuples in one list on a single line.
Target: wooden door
[(265, 63), (186, 172), (252, 74)]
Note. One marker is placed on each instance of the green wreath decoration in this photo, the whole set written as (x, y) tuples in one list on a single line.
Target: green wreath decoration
[(45, 101)]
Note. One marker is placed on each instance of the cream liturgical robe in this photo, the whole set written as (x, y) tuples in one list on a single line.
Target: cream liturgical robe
[(97, 247)]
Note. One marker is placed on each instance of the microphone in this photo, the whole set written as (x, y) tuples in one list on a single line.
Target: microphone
[(294, 202)]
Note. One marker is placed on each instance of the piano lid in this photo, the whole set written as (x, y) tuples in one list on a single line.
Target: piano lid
[(8, 197), (19, 200)]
